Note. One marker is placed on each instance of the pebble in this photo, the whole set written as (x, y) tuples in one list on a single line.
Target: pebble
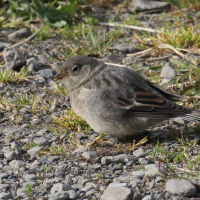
[(10, 155), (181, 187), (117, 193), (90, 154), (40, 140), (5, 195), (34, 151), (122, 158)]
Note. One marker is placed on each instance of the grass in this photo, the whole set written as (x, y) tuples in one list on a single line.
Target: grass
[(29, 189), (72, 122), (13, 76), (30, 145), (179, 154), (181, 38)]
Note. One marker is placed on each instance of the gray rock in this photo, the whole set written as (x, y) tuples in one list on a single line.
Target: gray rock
[(19, 34), (117, 193), (71, 194), (150, 166), (140, 153), (60, 187), (181, 187), (10, 155), (4, 44), (138, 174), (21, 193), (17, 164), (4, 175), (148, 197), (111, 58), (125, 48), (122, 158), (5, 195), (118, 184), (33, 151), (134, 181), (29, 177), (52, 159), (4, 186), (13, 58), (80, 150), (39, 79), (152, 173), (41, 132), (168, 71), (158, 179), (90, 154), (33, 64), (40, 140), (143, 161), (144, 5), (46, 73)]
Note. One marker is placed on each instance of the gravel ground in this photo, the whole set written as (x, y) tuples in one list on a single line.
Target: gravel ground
[(41, 159)]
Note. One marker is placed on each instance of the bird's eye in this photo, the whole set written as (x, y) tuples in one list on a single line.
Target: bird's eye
[(75, 68)]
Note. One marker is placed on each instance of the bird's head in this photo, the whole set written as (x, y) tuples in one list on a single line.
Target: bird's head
[(77, 70)]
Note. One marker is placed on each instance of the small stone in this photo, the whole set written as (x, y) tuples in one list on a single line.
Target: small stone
[(117, 193), (138, 174), (111, 58), (10, 155), (60, 187), (80, 150), (90, 154), (145, 5), (13, 58), (52, 159), (20, 34), (140, 153), (33, 151), (33, 64), (181, 187), (4, 186), (125, 48), (17, 164), (122, 158), (148, 197), (158, 179), (152, 173), (40, 140), (150, 166), (5, 195), (46, 73), (118, 184), (29, 177), (21, 193), (168, 71)]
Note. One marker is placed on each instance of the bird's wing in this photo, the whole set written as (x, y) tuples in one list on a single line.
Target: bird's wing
[(139, 102)]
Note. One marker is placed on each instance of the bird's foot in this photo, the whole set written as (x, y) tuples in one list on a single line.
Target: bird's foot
[(97, 139)]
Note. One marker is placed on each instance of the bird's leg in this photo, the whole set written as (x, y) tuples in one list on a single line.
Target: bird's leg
[(97, 139), (139, 143)]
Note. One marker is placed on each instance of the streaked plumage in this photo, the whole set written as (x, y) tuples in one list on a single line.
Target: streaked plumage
[(117, 100)]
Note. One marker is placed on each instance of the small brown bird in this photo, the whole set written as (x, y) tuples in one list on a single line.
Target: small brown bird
[(117, 100)]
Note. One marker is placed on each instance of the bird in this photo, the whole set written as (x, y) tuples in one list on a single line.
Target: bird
[(117, 100)]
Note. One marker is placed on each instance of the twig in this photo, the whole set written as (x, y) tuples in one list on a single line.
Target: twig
[(115, 64), (27, 39), (138, 53), (167, 46), (131, 27)]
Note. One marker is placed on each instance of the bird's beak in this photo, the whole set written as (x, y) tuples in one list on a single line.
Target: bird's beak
[(60, 75)]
